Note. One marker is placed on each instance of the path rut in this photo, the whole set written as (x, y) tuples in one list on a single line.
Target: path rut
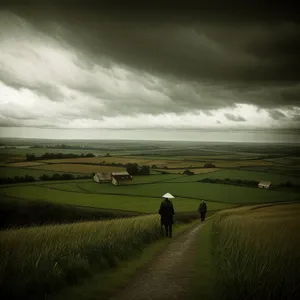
[(169, 275)]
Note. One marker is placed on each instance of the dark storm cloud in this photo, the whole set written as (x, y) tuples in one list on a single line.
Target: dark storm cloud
[(234, 118), (95, 62), (240, 50)]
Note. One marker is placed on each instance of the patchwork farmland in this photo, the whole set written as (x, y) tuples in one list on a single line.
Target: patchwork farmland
[(57, 194)]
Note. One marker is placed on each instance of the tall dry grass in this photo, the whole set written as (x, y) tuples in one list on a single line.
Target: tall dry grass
[(42, 260), (257, 253)]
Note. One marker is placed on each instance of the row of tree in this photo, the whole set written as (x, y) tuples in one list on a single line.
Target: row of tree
[(32, 157), (135, 169), (240, 182), (16, 179), (44, 177)]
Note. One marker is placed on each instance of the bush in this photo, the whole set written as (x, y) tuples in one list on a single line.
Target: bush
[(132, 169), (16, 179), (144, 170), (188, 172), (209, 165)]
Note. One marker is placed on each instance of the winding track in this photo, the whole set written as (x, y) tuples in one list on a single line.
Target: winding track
[(169, 275)]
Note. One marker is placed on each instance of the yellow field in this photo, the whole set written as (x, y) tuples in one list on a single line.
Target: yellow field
[(25, 164), (126, 160), (160, 163), (77, 168), (97, 160)]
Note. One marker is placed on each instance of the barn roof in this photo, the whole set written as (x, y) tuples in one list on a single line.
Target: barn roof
[(265, 183), (103, 176), (121, 176)]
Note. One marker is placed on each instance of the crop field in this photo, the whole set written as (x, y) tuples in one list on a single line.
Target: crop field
[(41, 260), (169, 163), (238, 174), (125, 160), (77, 168), (248, 175), (102, 159), (258, 250), (13, 171), (145, 191), (24, 164)]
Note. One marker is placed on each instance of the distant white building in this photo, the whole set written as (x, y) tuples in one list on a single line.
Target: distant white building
[(102, 177), (265, 185), (121, 178)]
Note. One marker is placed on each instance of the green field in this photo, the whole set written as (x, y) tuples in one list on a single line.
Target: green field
[(246, 175), (124, 202), (144, 195)]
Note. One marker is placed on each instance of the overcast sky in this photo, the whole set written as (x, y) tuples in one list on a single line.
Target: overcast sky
[(78, 70)]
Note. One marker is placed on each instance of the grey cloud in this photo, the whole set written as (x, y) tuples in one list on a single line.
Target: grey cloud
[(222, 50), (296, 118), (277, 115), (234, 118), (194, 61)]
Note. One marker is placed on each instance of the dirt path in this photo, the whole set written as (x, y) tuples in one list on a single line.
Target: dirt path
[(169, 275)]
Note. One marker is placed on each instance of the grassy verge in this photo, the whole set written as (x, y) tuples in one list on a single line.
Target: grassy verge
[(257, 253), (39, 261), (204, 278), (103, 285)]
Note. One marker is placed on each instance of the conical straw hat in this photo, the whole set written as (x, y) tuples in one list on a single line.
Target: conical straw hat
[(168, 195)]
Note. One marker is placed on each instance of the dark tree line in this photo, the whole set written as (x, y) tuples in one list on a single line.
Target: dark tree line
[(32, 157), (44, 177), (135, 169), (16, 179), (240, 182)]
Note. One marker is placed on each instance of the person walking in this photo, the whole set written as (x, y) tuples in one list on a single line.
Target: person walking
[(202, 210), (166, 212)]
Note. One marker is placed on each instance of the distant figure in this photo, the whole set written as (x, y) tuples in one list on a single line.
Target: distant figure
[(202, 210), (166, 212)]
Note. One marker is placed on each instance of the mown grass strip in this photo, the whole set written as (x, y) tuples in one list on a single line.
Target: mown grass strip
[(204, 277)]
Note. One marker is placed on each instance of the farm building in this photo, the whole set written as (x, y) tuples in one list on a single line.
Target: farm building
[(264, 185), (121, 178), (102, 177)]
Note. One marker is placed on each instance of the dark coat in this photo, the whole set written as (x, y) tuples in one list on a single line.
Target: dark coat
[(202, 207), (166, 212)]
